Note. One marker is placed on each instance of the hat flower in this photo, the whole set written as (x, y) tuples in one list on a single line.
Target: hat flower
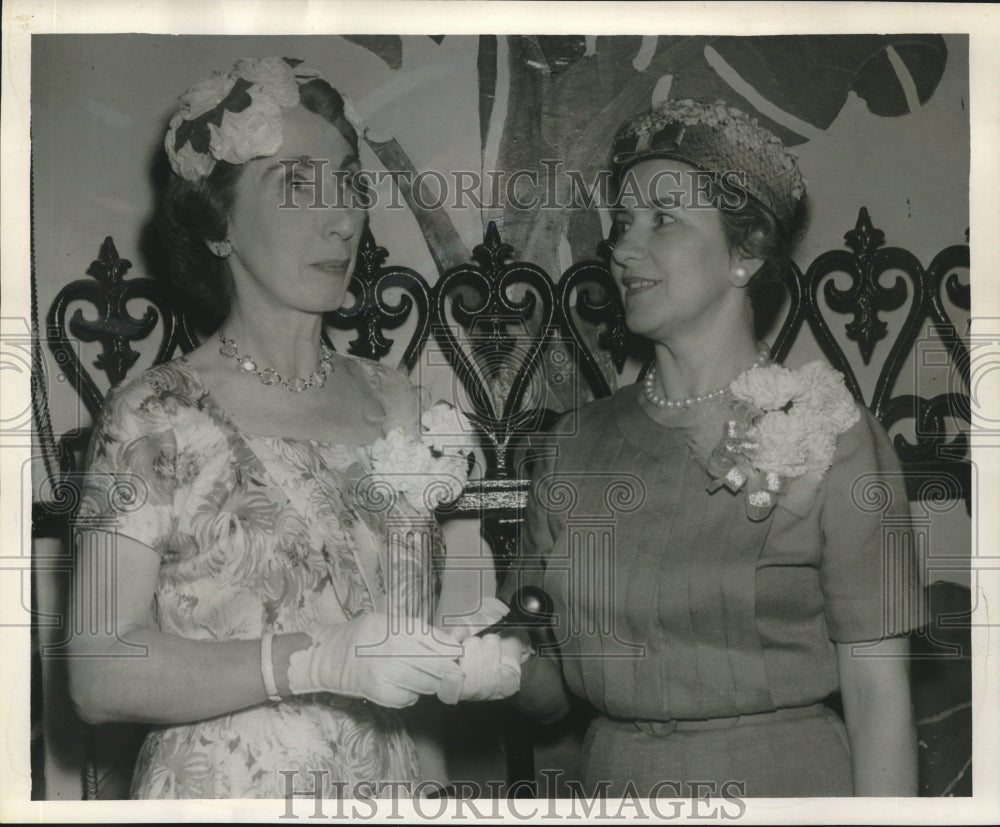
[(234, 116)]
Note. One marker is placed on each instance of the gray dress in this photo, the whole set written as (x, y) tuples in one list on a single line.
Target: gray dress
[(706, 640)]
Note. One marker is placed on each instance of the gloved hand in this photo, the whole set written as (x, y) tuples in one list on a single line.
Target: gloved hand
[(490, 670), (361, 659), (489, 613)]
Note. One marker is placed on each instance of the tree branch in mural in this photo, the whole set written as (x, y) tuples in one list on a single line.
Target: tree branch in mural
[(443, 241)]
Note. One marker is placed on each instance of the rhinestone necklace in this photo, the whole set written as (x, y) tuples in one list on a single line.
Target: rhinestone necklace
[(763, 355), (268, 376)]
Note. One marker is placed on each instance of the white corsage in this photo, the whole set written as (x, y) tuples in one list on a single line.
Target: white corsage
[(432, 470), (786, 426)]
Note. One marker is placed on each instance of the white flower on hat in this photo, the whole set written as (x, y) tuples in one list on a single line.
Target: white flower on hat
[(272, 76), (186, 161), (205, 95), (222, 126), (256, 131)]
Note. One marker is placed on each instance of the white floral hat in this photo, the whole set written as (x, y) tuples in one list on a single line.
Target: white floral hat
[(717, 137), (236, 116)]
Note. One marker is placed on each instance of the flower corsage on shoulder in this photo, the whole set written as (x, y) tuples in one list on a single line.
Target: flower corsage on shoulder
[(429, 470), (785, 426)]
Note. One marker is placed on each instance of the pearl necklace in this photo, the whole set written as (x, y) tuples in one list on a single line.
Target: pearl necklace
[(268, 376), (763, 355)]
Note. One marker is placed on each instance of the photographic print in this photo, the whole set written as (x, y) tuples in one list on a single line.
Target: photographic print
[(489, 418)]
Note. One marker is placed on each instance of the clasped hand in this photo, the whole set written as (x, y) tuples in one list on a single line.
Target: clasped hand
[(362, 659), (490, 665)]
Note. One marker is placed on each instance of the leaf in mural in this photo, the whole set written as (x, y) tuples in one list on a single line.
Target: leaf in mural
[(442, 239), (584, 90), (385, 46), (923, 58), (523, 139), (584, 106), (810, 76)]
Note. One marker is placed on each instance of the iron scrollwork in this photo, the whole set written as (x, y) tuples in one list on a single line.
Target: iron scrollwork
[(604, 312), (495, 340), (505, 340), (864, 300), (115, 327), (371, 315)]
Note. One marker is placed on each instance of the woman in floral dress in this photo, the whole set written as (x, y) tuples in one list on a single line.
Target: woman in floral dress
[(253, 533), (751, 573)]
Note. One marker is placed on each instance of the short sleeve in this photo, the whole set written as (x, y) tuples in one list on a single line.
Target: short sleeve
[(869, 567), (130, 471)]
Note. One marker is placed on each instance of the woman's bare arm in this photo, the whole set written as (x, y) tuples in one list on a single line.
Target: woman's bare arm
[(125, 669), (875, 685)]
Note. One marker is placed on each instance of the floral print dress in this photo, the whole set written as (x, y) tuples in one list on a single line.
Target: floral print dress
[(259, 533)]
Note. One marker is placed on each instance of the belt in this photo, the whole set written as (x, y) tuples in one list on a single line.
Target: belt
[(663, 728)]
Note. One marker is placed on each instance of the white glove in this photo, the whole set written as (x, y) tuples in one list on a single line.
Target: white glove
[(491, 611), (361, 659), (490, 670)]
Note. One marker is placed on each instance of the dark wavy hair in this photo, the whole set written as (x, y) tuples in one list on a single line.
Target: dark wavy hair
[(191, 213), (753, 230)]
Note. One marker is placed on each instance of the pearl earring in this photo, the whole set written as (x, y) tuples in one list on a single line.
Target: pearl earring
[(739, 276), (223, 249)]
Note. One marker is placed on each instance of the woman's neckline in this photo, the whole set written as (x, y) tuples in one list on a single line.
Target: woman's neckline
[(684, 417), (660, 433), (223, 415)]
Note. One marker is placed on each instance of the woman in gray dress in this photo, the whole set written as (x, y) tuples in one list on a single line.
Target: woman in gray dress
[(742, 585)]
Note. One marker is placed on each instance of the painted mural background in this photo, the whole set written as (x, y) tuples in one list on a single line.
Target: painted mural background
[(560, 98)]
